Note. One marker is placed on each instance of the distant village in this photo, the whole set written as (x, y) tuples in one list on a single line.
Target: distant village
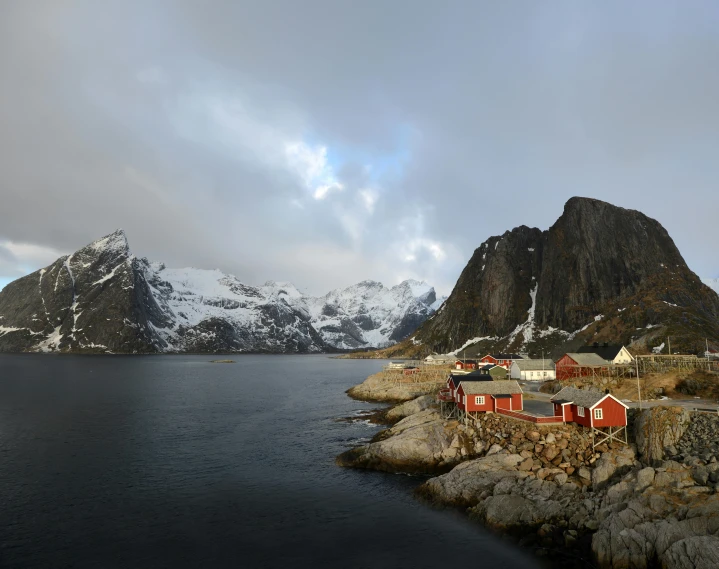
[(491, 384)]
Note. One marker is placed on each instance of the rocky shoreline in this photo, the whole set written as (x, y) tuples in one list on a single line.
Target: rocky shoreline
[(652, 503)]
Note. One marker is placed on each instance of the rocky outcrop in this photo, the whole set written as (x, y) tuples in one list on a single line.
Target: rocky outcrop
[(421, 443), (473, 480), (600, 272), (659, 428), (643, 524), (609, 465), (699, 439), (389, 388), (692, 553), (410, 407)]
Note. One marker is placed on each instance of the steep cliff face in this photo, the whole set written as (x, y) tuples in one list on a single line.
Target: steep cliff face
[(92, 300), (596, 253), (600, 273), (494, 291)]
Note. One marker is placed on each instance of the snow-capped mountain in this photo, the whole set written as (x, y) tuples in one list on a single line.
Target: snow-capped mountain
[(369, 314), (103, 299)]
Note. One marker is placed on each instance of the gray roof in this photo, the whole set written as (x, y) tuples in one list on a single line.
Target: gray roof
[(490, 387), (588, 359), (526, 365), (606, 351), (580, 397)]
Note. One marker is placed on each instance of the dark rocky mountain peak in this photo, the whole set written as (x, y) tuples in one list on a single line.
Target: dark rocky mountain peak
[(600, 272)]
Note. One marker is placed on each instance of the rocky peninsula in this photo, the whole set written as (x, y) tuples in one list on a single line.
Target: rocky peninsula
[(652, 503)]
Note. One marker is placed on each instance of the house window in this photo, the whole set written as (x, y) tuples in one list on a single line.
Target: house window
[(479, 400), (597, 413), (464, 399), (580, 411)]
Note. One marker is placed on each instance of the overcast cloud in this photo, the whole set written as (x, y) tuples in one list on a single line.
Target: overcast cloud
[(328, 142)]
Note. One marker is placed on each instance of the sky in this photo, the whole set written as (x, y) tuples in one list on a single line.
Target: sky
[(325, 142)]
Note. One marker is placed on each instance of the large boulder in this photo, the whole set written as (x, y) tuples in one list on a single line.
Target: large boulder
[(658, 428), (421, 443), (616, 461), (410, 407), (467, 481), (508, 511), (693, 553)]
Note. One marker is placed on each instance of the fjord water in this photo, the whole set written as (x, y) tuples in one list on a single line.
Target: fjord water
[(173, 461)]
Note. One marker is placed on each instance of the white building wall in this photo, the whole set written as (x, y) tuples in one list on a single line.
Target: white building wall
[(623, 357), (539, 375), (531, 375)]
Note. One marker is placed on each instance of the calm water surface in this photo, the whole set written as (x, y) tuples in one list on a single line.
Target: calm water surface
[(171, 461)]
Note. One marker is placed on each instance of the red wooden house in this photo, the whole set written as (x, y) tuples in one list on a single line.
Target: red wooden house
[(573, 365), (453, 384), (504, 360), (488, 396), (466, 364), (589, 408)]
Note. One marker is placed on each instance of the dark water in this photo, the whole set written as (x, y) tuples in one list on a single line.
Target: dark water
[(174, 462)]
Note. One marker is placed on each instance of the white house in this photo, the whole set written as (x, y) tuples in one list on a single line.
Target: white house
[(532, 370), (439, 359), (614, 354)]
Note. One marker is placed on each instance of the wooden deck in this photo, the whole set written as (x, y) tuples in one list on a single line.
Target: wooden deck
[(531, 417)]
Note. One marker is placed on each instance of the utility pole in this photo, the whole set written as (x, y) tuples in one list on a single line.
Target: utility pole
[(669, 341), (706, 354), (639, 391)]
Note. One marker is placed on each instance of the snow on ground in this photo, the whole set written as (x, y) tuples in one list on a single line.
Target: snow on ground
[(112, 273), (7, 329), (526, 327), (51, 342), (471, 342)]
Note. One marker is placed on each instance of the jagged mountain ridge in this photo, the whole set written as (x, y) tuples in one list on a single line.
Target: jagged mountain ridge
[(600, 273), (103, 299)]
